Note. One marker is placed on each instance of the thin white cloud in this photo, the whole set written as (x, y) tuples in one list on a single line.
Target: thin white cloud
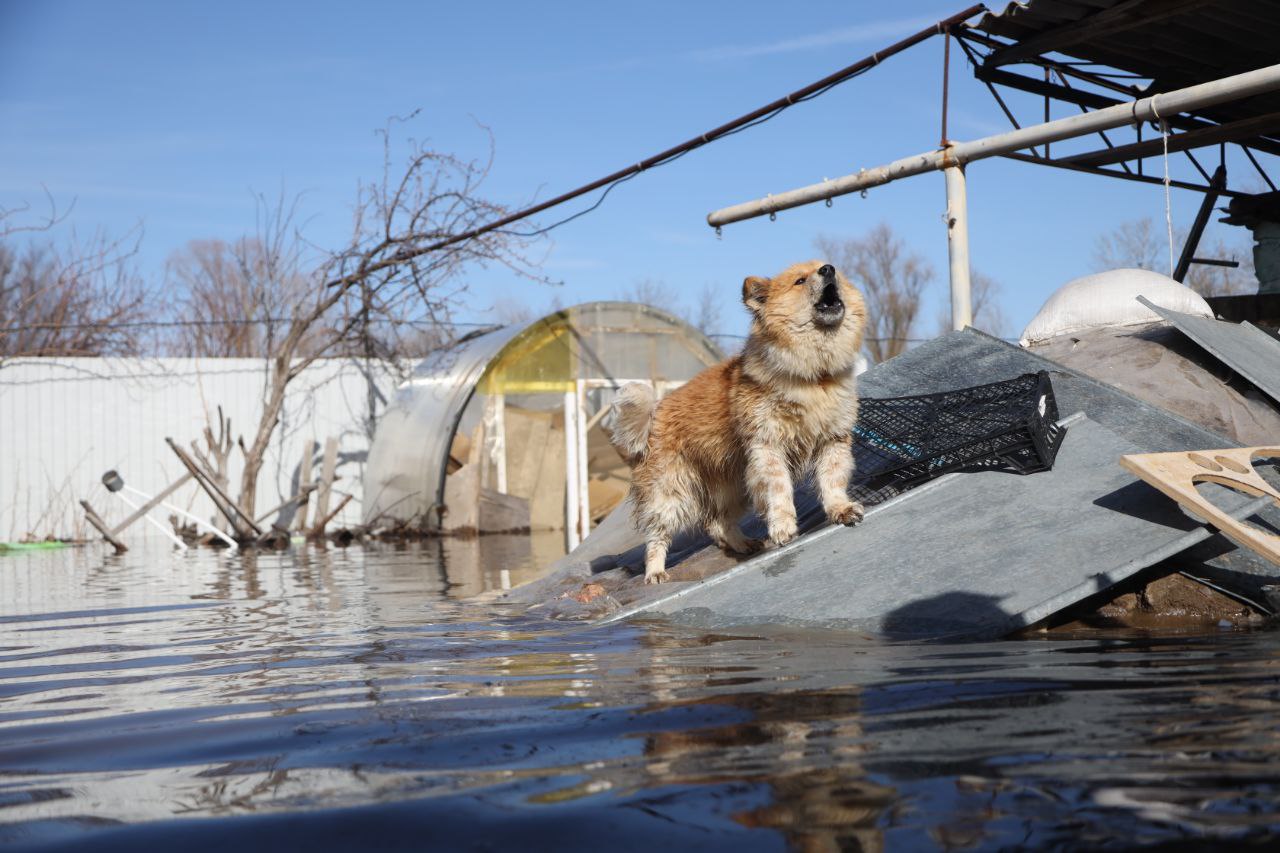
[(874, 30)]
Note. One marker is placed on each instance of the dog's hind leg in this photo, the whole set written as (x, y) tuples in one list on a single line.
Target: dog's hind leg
[(726, 510), (664, 515), (655, 557)]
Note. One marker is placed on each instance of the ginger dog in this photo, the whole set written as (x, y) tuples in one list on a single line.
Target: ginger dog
[(752, 425)]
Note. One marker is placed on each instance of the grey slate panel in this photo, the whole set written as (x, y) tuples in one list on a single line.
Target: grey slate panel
[(1243, 347), (968, 555)]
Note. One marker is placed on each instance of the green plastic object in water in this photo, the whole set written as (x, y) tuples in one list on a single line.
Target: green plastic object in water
[(6, 547)]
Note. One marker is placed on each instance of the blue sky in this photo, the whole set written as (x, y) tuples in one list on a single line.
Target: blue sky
[(173, 114)]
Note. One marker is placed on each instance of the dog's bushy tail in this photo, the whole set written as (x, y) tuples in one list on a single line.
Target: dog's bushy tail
[(629, 420)]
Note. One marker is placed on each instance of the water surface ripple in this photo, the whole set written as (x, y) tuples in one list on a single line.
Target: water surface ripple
[(350, 699)]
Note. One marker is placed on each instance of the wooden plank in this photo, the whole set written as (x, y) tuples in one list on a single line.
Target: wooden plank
[(229, 508), (318, 530), (462, 500), (327, 470), (546, 506), (151, 504), (97, 522), (304, 484), (519, 426), (1176, 474), (607, 489), (459, 451), (502, 513), (527, 436)]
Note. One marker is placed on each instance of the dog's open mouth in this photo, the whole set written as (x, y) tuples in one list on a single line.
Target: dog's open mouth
[(829, 309)]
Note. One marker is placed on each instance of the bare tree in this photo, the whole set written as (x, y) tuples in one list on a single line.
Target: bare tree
[(391, 287), (239, 296), (1140, 243), (650, 291), (706, 315), (984, 306), (71, 302), (892, 279), (509, 313), (71, 299)]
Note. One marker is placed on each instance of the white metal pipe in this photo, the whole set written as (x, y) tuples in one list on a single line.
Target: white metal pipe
[(958, 246), (584, 491), (1145, 109), (199, 523), (182, 546), (499, 402), (571, 470)]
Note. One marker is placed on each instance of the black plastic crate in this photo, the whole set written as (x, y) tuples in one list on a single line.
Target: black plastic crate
[(900, 442)]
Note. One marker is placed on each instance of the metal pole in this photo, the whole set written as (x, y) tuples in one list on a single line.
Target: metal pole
[(571, 537), (584, 491), (182, 546), (199, 523), (1152, 108), (1216, 183), (958, 246)]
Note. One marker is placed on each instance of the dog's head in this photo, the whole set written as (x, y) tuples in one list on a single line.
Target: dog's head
[(810, 315)]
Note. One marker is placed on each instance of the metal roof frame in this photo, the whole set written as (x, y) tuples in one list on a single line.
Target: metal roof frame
[(1084, 52)]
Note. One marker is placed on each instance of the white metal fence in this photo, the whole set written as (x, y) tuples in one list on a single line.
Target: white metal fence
[(65, 421)]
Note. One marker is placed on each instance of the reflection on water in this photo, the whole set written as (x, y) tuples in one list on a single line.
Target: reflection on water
[(351, 698)]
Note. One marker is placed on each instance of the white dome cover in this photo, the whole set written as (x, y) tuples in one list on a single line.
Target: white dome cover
[(1110, 299)]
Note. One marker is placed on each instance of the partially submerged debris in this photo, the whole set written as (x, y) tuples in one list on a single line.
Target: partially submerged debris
[(967, 555), (1176, 474)]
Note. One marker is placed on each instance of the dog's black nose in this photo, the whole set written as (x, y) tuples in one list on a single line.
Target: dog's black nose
[(826, 271)]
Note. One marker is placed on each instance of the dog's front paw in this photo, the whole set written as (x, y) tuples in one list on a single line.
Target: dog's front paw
[(659, 576), (783, 531), (850, 512)]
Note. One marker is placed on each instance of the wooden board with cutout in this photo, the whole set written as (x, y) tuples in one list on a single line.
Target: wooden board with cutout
[(1176, 474)]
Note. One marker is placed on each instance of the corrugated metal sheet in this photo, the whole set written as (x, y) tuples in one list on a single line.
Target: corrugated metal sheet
[(405, 475), (997, 553), (65, 421), (1243, 347), (1177, 45)]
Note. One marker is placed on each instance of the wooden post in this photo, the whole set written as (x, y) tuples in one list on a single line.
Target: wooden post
[(97, 522), (226, 506), (304, 485), (298, 498), (327, 469), (318, 531)]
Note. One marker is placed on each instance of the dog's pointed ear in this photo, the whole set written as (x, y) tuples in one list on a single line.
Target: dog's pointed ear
[(754, 292)]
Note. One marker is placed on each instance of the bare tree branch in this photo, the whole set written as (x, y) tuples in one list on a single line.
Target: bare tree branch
[(390, 300), (892, 279), (74, 299), (1139, 243)]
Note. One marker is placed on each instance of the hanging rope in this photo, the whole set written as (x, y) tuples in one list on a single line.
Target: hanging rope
[(1168, 206)]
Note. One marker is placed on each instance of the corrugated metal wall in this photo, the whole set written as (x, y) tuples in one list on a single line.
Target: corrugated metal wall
[(65, 421)]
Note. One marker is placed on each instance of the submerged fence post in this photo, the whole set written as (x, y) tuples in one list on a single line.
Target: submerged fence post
[(958, 246)]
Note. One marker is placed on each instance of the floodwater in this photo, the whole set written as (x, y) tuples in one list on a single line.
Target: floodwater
[(351, 699)]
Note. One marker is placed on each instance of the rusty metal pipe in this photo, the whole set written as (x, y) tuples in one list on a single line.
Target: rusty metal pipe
[(1151, 108)]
